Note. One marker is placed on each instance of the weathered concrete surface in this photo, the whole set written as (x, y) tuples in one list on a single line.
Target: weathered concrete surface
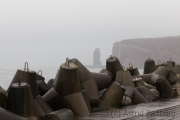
[(144, 110)]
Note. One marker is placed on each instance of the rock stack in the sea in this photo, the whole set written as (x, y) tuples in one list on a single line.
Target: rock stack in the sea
[(76, 91), (96, 57)]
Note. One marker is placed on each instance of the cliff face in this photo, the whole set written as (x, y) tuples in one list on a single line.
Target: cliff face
[(136, 51)]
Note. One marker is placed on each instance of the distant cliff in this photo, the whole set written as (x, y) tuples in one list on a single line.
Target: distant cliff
[(136, 51)]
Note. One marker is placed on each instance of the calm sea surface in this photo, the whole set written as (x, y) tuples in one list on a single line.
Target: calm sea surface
[(7, 73)]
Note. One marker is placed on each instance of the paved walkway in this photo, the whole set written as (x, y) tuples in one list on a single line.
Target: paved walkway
[(168, 109)]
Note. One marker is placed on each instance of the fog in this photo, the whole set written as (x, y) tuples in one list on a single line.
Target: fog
[(44, 32)]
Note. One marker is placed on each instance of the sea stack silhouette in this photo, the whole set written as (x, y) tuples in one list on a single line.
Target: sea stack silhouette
[(96, 56)]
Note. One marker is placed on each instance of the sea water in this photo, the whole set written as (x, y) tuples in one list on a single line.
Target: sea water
[(7, 73)]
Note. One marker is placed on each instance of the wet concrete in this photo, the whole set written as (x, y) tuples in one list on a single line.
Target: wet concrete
[(165, 109)]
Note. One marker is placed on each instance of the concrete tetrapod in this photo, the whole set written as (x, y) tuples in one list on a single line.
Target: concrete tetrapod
[(39, 76), (86, 100), (176, 69), (151, 78), (165, 64), (53, 99), (20, 100), (150, 96), (63, 114), (101, 92), (92, 92), (87, 83), (155, 92), (102, 80), (113, 95), (38, 110), (176, 84), (32, 118), (138, 82), (172, 77), (175, 94), (133, 70), (113, 65), (135, 95), (44, 105), (76, 103), (43, 87), (124, 76), (107, 72), (148, 86), (126, 101), (146, 78), (28, 76), (50, 83), (171, 63), (3, 97), (149, 66), (84, 73), (7, 115), (162, 71), (164, 88), (67, 81)]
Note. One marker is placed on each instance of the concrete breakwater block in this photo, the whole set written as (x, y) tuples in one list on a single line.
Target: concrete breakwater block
[(63, 114), (176, 84), (133, 70), (67, 81), (165, 64), (50, 83), (124, 76), (155, 92), (7, 115), (171, 63), (149, 66), (172, 77), (43, 87), (154, 78), (163, 87), (39, 76), (3, 97), (28, 76), (87, 83), (147, 78), (92, 92), (162, 71), (113, 95), (76, 103), (20, 100), (107, 72), (38, 110), (175, 94), (32, 118), (102, 80), (84, 73), (101, 92), (148, 86), (86, 100), (113, 65), (53, 99), (150, 96), (138, 82), (126, 101), (44, 105), (135, 96), (41, 107), (176, 69)]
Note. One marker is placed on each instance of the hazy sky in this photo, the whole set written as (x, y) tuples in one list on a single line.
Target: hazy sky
[(45, 32)]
